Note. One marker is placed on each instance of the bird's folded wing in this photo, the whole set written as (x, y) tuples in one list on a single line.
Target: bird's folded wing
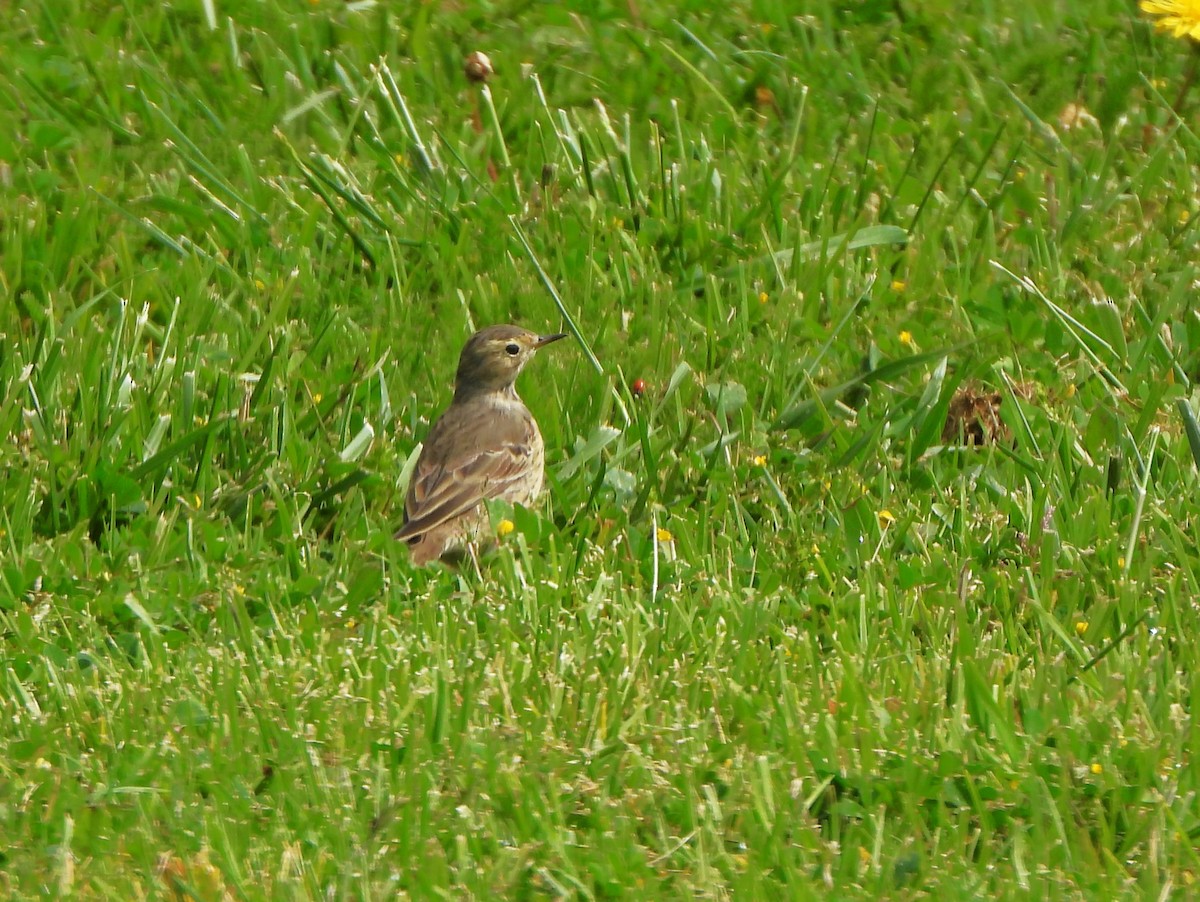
[(442, 490)]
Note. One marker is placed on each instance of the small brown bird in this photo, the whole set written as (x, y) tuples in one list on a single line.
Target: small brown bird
[(485, 446)]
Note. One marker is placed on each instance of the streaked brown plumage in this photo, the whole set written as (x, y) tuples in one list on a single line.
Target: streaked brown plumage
[(485, 446)]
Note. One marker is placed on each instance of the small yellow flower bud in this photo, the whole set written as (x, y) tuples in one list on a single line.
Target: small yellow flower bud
[(505, 527)]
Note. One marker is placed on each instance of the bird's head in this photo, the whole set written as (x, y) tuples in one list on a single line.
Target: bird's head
[(493, 357)]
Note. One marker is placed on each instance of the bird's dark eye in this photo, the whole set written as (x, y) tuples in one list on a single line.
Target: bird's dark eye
[(513, 349)]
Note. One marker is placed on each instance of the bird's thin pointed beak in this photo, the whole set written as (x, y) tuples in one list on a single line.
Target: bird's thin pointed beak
[(544, 340)]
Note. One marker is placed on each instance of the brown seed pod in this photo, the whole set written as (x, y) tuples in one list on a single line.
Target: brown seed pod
[(478, 68)]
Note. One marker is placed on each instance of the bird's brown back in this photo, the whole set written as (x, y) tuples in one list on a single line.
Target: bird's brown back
[(486, 448)]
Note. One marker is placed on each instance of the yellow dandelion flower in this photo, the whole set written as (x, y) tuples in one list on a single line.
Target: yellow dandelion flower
[(899, 285), (760, 460), (1097, 768), (1180, 17), (906, 338), (505, 527), (886, 518), (664, 535), (1081, 627)]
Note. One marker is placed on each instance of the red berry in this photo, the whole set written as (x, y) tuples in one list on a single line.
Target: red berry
[(638, 388)]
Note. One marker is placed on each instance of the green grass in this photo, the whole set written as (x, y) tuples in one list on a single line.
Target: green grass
[(241, 244)]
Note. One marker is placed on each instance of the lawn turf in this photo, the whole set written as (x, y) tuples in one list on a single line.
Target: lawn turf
[(778, 631)]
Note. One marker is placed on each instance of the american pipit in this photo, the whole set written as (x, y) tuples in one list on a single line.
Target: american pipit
[(485, 446)]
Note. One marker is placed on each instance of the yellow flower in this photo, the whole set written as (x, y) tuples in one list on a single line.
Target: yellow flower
[(886, 518), (1180, 17), (260, 284), (899, 285), (762, 297), (664, 535), (906, 338), (1081, 626), (1184, 216), (760, 460), (504, 528), (1097, 767)]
